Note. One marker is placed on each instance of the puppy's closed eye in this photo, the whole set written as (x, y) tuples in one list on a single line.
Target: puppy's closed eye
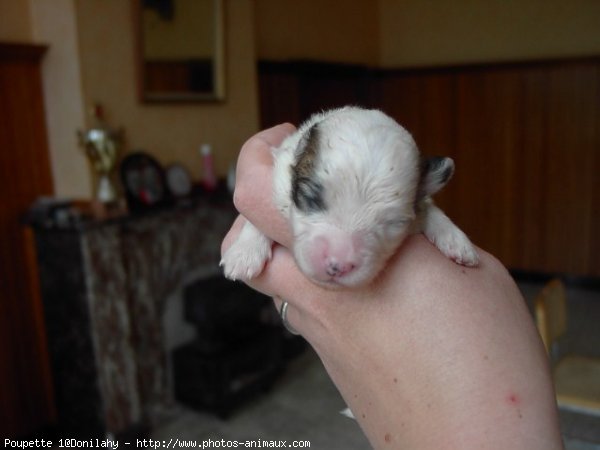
[(398, 222)]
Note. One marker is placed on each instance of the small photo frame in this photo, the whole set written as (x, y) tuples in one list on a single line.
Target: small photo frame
[(144, 183)]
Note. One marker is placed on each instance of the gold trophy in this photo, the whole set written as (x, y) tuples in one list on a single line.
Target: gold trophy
[(102, 145)]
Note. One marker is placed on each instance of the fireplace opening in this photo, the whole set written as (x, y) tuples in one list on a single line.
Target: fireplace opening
[(238, 350)]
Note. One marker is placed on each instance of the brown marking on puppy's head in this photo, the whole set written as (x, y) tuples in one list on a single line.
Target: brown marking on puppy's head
[(307, 191)]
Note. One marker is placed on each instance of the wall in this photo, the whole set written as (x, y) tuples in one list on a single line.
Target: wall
[(164, 40), (410, 33), (91, 59), (54, 24), (332, 30), (434, 32), (390, 33), (15, 21), (171, 132)]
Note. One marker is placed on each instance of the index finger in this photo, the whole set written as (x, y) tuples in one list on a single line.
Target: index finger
[(253, 195)]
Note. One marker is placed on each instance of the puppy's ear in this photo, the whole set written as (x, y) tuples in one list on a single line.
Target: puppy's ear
[(435, 173)]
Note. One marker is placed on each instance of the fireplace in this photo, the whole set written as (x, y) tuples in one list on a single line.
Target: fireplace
[(104, 287), (237, 351)]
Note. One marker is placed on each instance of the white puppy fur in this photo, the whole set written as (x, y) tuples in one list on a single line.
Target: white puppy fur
[(353, 185)]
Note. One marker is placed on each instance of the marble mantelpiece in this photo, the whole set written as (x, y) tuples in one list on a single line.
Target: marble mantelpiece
[(104, 286)]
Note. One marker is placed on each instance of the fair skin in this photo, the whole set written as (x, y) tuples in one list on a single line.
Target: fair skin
[(431, 355)]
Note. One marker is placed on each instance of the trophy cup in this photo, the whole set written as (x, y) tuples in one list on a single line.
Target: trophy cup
[(102, 145)]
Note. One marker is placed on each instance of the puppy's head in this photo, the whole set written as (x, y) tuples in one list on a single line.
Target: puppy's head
[(356, 184)]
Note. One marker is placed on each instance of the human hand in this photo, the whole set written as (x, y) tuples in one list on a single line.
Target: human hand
[(429, 355)]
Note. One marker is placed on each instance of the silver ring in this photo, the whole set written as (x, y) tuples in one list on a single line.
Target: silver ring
[(283, 315)]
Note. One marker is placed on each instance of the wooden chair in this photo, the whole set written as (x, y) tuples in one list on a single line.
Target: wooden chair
[(576, 377)]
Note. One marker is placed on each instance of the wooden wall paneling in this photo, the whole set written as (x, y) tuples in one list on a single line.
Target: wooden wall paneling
[(437, 111), (571, 144), (279, 95), (293, 91), (24, 175), (528, 182), (399, 96), (594, 245), (473, 157), (441, 138), (426, 107), (505, 92), (525, 138), (433, 116), (324, 87), (481, 141)]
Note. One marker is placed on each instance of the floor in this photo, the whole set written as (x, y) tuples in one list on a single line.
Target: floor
[(292, 410), (581, 431)]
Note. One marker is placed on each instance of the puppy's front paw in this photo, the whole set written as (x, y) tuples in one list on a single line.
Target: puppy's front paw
[(447, 237), (247, 256), (244, 262), (456, 245)]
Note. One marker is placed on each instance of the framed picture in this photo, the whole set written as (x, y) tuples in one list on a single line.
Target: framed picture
[(143, 180)]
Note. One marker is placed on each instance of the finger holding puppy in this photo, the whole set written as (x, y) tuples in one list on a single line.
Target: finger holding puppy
[(253, 195)]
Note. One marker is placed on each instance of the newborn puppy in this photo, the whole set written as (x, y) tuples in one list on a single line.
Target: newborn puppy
[(353, 185)]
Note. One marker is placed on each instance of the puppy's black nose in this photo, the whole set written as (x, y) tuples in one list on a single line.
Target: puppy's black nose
[(335, 269)]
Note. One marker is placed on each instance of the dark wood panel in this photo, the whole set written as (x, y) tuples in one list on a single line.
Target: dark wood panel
[(572, 141), (279, 92), (427, 108), (291, 92), (26, 399), (486, 115), (594, 244), (525, 138)]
